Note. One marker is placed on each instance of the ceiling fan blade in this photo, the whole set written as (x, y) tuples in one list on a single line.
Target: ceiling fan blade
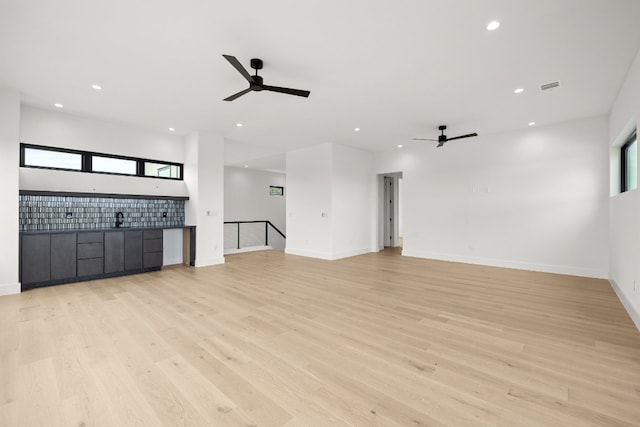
[(238, 66), (462, 136), (238, 95), (424, 139), (287, 90)]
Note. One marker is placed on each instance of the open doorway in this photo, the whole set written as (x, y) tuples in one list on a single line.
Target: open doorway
[(389, 210)]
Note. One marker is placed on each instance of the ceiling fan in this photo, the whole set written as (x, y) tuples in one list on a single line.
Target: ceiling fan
[(256, 82), (442, 138)]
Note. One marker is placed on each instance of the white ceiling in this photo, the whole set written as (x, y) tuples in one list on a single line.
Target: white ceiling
[(395, 69)]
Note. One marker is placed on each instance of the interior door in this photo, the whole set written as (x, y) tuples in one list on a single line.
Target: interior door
[(388, 212)]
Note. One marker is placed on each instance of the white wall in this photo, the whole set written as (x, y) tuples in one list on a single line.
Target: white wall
[(247, 198), (534, 199), (308, 197), (9, 158), (624, 220), (352, 176), (329, 201), (57, 129), (204, 179)]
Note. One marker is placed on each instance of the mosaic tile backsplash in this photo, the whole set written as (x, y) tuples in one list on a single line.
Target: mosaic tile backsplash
[(73, 213)]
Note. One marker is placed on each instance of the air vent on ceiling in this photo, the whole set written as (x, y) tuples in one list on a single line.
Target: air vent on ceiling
[(549, 86)]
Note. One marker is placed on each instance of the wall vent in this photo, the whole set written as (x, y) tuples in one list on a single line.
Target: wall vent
[(549, 86)]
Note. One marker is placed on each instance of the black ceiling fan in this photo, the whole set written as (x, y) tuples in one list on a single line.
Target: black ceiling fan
[(442, 138), (256, 82)]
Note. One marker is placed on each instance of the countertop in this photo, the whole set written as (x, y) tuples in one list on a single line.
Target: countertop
[(89, 230)]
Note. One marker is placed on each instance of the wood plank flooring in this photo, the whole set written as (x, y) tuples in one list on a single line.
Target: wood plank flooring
[(270, 339)]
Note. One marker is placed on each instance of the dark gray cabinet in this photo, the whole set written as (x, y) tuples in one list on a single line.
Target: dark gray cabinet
[(152, 248), (63, 256), (91, 250), (113, 251), (133, 250), (90, 253), (35, 259)]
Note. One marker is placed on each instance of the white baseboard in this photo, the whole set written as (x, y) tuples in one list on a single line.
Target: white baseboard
[(633, 313), (10, 289), (209, 261), (544, 268), (327, 256), (308, 254), (247, 249), (350, 253)]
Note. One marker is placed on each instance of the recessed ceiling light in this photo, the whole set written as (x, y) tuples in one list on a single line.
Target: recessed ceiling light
[(58, 105), (239, 125), (96, 87), (493, 25), (399, 145), (532, 123), (172, 129), (357, 129), (246, 166), (519, 90)]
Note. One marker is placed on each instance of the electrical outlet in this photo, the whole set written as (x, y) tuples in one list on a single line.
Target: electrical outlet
[(164, 214)]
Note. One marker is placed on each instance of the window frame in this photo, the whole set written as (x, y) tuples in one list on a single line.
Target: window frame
[(275, 190), (624, 150), (55, 149), (87, 162)]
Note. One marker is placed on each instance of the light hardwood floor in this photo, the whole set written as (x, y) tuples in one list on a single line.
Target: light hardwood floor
[(276, 340)]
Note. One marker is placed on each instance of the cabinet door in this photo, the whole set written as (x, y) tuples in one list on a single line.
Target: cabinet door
[(63, 256), (113, 251), (90, 267), (35, 256), (133, 250), (152, 259)]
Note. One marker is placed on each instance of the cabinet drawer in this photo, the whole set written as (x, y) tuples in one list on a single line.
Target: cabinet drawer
[(152, 245), (152, 259), (91, 237), (90, 267), (90, 250), (156, 233)]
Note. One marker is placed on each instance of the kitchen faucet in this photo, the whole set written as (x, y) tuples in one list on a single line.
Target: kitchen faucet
[(119, 219)]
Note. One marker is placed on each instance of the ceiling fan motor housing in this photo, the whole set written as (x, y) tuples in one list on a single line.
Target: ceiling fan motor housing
[(257, 83)]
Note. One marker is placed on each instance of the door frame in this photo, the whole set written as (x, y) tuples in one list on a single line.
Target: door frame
[(383, 239)]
